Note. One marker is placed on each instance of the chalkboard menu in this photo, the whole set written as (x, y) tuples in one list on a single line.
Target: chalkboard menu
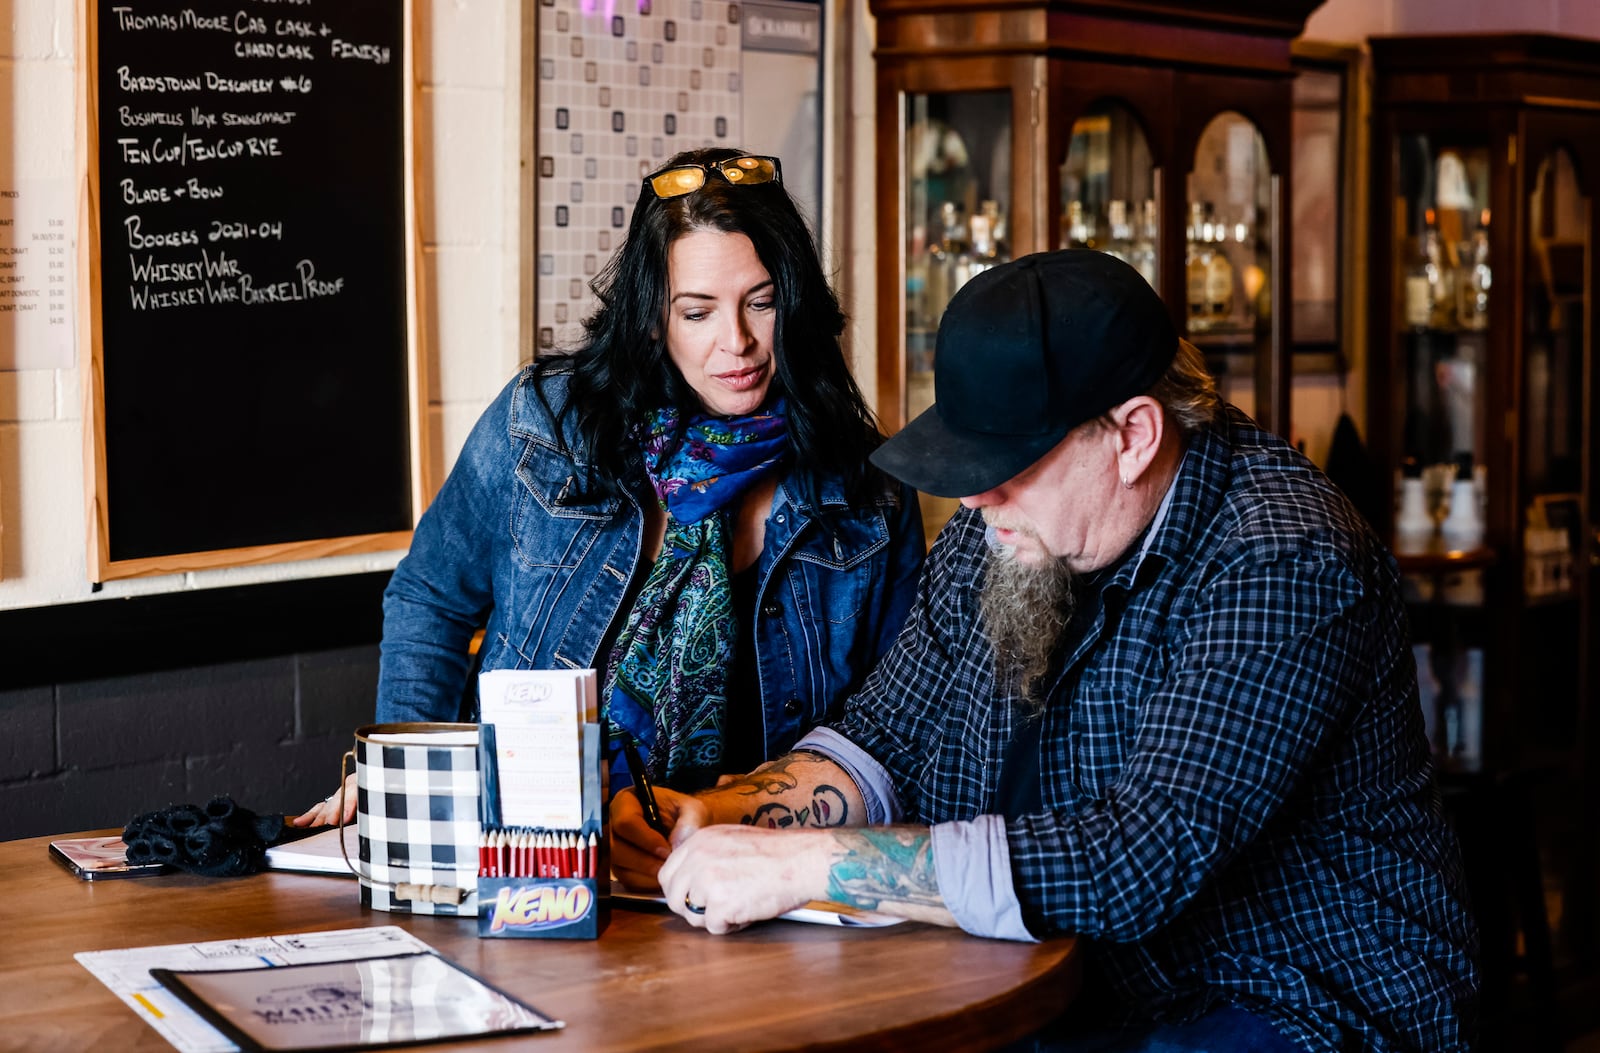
[(248, 260)]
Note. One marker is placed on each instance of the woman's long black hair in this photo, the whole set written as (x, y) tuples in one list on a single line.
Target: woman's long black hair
[(622, 370)]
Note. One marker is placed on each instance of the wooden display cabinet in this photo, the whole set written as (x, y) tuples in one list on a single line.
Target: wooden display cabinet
[(1005, 128), (1486, 164)]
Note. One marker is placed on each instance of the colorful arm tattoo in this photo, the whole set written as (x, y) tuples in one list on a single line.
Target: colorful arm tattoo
[(893, 864)]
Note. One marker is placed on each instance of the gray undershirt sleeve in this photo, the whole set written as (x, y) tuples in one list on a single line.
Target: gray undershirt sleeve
[(871, 780), (973, 862)]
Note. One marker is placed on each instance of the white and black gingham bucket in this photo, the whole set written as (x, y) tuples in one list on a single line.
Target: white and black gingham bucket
[(416, 817)]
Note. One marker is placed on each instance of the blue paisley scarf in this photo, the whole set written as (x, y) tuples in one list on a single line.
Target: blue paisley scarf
[(670, 666)]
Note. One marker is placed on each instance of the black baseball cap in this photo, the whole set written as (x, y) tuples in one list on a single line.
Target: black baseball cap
[(1027, 351)]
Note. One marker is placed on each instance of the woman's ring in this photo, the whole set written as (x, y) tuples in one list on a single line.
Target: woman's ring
[(692, 908)]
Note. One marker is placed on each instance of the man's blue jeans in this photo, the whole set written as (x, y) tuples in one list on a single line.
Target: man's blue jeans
[(1225, 1029)]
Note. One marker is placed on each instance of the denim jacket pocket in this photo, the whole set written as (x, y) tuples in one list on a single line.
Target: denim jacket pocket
[(550, 525), (836, 568), (846, 543)]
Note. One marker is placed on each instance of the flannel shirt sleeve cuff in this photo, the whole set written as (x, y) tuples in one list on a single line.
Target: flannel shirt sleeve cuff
[(973, 862), (871, 780)]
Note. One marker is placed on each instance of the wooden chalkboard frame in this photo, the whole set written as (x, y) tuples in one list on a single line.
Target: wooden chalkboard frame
[(100, 562)]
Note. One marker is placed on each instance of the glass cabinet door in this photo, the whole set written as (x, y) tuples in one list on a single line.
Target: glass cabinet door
[(958, 207), (1110, 196), (1228, 294), (1555, 327), (1550, 500), (1441, 323)]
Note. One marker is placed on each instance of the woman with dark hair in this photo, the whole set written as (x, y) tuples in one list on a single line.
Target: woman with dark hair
[(684, 503)]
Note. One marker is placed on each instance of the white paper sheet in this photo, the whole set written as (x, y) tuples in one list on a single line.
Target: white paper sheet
[(537, 716), (127, 972), (317, 854)]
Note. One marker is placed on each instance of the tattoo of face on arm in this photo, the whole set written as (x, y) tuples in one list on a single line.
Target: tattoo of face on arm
[(826, 805), (884, 864), (827, 808)]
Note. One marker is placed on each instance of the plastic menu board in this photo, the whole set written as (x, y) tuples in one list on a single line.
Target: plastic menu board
[(362, 1004)]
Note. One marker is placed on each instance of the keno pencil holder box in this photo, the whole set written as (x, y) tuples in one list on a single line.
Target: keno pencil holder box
[(543, 865)]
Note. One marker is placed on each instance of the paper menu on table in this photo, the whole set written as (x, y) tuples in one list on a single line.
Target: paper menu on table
[(538, 717), (127, 972)]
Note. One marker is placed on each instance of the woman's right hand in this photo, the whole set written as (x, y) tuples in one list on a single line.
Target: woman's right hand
[(326, 811), (637, 849)]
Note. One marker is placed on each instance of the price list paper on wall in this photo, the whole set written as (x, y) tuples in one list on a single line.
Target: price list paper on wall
[(250, 257), (35, 275)]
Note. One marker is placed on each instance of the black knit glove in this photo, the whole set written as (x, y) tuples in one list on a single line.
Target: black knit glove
[(219, 840)]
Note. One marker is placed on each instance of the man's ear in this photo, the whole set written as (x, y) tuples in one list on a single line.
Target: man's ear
[(1141, 425)]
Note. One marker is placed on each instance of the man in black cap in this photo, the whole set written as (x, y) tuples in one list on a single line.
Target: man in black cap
[(1155, 691)]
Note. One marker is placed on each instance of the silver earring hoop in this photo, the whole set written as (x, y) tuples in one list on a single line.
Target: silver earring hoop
[(1127, 484)]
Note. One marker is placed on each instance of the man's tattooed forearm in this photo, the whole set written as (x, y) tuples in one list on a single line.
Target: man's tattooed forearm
[(884, 864), (827, 808)]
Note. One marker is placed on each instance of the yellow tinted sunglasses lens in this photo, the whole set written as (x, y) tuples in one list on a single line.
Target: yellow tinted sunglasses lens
[(675, 182), (744, 171)]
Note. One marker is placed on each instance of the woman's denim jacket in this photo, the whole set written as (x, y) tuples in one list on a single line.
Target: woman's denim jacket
[(506, 540)]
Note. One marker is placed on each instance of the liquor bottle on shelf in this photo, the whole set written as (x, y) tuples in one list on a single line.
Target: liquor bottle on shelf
[(1472, 287), (1143, 253), (1197, 259), (1468, 746), (1414, 526), (984, 254), (1119, 242), (1462, 529), (1079, 232), (1219, 276), (1441, 276), (1428, 695), (945, 258), (997, 229), (1420, 277)]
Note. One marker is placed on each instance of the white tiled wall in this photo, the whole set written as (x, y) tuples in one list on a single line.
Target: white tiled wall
[(622, 87)]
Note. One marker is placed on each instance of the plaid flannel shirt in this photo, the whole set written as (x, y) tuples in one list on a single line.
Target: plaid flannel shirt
[(1239, 803)]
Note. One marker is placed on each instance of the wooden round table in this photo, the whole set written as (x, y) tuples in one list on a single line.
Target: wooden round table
[(650, 982)]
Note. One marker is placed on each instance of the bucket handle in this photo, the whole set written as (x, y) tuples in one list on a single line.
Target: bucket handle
[(350, 756)]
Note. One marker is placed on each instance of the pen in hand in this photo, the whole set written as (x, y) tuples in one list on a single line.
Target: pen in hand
[(643, 790)]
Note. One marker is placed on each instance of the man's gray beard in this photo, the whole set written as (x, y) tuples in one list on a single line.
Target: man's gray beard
[(1025, 612)]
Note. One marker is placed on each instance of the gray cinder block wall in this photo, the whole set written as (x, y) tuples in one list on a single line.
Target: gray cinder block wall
[(268, 732)]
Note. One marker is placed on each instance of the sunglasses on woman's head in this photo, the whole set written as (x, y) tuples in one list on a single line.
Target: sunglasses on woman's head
[(748, 170)]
